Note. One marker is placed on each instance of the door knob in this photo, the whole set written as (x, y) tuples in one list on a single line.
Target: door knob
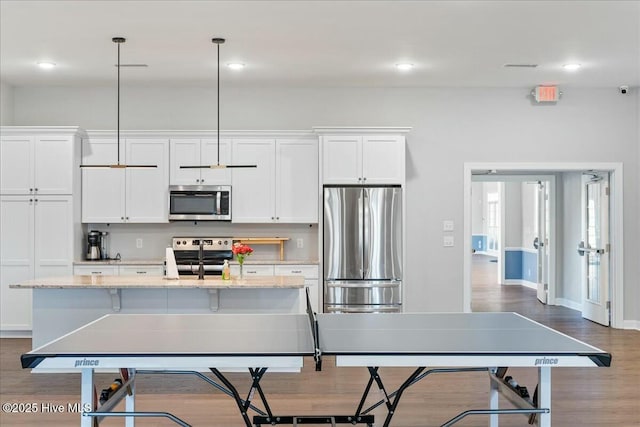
[(537, 243)]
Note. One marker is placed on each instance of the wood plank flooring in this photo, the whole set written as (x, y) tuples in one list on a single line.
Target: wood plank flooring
[(581, 397)]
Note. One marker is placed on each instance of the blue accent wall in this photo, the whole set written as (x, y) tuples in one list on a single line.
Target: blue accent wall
[(521, 265), (479, 242)]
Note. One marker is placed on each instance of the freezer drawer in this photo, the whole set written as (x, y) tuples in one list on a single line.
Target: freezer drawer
[(362, 308), (363, 293)]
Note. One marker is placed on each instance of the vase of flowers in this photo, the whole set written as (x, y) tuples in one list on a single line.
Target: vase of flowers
[(241, 251)]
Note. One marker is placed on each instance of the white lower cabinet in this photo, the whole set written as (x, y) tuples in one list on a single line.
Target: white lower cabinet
[(310, 273), (141, 270), (95, 270), (252, 270), (37, 241)]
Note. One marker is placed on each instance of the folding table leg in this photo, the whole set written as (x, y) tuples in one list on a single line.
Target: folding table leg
[(86, 396), (130, 400), (544, 395), (494, 399)]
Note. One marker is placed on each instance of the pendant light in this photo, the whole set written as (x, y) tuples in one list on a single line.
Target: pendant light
[(218, 41), (118, 41)]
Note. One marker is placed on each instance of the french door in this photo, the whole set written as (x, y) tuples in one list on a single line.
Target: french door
[(594, 247), (541, 242)]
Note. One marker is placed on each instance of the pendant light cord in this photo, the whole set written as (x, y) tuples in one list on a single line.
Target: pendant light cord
[(218, 93), (118, 120)]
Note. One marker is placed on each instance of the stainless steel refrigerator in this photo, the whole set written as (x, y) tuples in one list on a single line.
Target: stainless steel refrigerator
[(362, 249)]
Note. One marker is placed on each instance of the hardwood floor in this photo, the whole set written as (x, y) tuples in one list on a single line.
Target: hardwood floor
[(581, 397)]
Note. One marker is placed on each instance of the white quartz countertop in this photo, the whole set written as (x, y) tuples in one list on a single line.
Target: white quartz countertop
[(161, 262), (117, 282)]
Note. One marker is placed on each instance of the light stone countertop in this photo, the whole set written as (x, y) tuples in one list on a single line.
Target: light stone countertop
[(150, 282), (247, 261)]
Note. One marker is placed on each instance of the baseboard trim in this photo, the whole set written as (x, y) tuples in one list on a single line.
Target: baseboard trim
[(15, 334), (521, 282), (631, 324), (569, 304)]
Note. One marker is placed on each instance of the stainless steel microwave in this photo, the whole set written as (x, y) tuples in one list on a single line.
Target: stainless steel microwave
[(200, 203)]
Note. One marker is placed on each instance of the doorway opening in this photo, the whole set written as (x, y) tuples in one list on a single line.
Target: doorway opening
[(556, 274)]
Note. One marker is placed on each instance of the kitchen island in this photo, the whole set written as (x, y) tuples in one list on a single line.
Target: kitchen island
[(62, 304)]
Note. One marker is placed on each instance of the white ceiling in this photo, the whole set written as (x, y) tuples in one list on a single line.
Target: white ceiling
[(323, 43)]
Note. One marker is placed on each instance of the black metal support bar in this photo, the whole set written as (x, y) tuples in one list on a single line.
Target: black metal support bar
[(204, 378), (364, 397), (392, 406), (464, 414), (423, 375), (241, 403), (256, 375), (138, 415)]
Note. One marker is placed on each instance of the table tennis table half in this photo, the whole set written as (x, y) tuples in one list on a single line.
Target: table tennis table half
[(444, 342)]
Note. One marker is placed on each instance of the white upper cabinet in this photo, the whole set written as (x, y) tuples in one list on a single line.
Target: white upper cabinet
[(284, 186), (297, 180), (201, 152), (366, 158), (253, 192), (37, 164), (147, 190), (125, 195)]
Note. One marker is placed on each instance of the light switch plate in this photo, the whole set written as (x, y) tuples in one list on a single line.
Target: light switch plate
[(447, 225), (447, 241)]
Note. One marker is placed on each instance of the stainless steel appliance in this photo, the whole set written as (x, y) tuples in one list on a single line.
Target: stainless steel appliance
[(97, 245), (191, 260), (94, 245), (362, 249), (200, 203)]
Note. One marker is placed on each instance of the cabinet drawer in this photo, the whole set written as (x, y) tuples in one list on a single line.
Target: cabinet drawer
[(253, 270), (141, 270), (95, 270), (308, 271)]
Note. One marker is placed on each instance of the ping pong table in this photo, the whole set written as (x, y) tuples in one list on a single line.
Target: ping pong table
[(445, 342)]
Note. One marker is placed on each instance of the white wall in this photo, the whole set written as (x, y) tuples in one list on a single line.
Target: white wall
[(451, 126), (529, 214), (512, 214), (6, 104), (569, 235)]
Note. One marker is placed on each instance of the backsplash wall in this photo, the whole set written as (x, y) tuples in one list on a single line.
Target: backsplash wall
[(157, 237)]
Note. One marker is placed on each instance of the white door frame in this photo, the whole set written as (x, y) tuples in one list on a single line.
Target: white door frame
[(617, 226)]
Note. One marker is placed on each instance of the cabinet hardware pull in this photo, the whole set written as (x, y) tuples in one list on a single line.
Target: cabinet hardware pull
[(121, 217), (296, 271), (127, 218), (96, 272), (36, 189), (364, 179), (30, 200), (141, 272), (31, 189), (36, 200)]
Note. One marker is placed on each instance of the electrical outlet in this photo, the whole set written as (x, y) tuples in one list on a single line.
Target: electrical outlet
[(139, 243), (447, 225), (300, 243)]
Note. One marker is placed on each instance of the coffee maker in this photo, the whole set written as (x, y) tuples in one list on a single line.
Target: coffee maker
[(97, 245)]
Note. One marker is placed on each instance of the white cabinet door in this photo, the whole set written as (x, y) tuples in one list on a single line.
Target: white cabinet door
[(53, 247), (342, 159), (296, 181), (253, 195), (383, 159), (184, 152), (53, 164), (103, 196), (147, 189), (16, 161), (209, 156), (16, 261), (310, 273)]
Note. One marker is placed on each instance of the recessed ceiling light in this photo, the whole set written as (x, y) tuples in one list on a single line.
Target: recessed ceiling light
[(404, 66), (46, 65), (571, 67), (236, 65)]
